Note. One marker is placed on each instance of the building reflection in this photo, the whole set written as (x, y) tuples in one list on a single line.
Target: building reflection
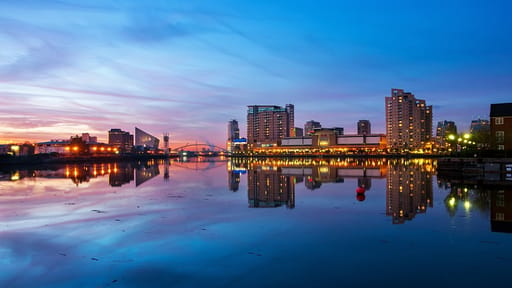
[(271, 182), (489, 196), (268, 187), (501, 209), (408, 189), (123, 174), (118, 173), (146, 171)]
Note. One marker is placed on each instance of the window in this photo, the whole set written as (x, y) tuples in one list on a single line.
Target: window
[(498, 120), (500, 136), (501, 147)]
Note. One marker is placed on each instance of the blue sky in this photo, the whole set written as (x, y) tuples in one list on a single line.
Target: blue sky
[(188, 67)]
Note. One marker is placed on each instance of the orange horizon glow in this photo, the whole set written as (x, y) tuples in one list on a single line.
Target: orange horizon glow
[(19, 140)]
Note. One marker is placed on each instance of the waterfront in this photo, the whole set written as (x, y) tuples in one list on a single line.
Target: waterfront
[(272, 222)]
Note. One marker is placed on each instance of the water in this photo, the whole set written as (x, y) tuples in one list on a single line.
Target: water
[(274, 223)]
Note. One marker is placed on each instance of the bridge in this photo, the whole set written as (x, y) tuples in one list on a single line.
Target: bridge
[(200, 149)]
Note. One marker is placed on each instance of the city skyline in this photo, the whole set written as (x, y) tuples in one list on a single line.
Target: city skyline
[(69, 67)]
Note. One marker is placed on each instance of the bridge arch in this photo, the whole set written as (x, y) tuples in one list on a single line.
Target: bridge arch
[(213, 148)]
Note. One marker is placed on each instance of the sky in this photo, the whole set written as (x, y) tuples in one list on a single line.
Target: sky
[(188, 67)]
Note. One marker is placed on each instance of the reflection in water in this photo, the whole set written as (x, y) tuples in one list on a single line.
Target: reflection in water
[(271, 182), (167, 235), (123, 174), (484, 195), (146, 171), (234, 180), (409, 189), (267, 187), (118, 173), (501, 209)]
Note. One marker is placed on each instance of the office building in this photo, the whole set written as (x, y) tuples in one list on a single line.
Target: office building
[(145, 141), (501, 126), (364, 127), (268, 124), (479, 125), (87, 138), (298, 132), (480, 131), (408, 122), (443, 130), (310, 126), (121, 139), (233, 130)]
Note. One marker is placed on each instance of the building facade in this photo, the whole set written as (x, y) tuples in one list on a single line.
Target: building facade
[(480, 131), (364, 127), (146, 141), (233, 130), (310, 126), (121, 139), (267, 124), (298, 132), (501, 126), (408, 122), (443, 130)]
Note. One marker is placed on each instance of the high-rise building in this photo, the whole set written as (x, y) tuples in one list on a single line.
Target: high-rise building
[(364, 127), (408, 121), (290, 110), (310, 126), (443, 130), (233, 130), (267, 124), (501, 126), (122, 139), (145, 140)]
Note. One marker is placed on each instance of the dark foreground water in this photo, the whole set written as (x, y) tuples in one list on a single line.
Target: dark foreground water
[(274, 223)]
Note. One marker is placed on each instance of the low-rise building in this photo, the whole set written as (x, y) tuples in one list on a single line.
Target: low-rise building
[(501, 126)]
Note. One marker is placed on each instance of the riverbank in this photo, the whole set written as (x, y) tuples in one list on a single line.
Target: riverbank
[(41, 159), (450, 161)]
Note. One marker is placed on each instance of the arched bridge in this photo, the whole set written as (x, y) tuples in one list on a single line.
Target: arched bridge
[(201, 149)]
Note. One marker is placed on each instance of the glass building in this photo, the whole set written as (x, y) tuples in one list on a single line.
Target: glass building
[(145, 140)]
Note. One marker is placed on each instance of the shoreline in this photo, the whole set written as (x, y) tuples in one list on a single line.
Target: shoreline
[(58, 159)]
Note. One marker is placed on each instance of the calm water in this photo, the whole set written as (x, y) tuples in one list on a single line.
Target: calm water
[(273, 223)]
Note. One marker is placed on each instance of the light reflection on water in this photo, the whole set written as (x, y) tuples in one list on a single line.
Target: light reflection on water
[(273, 222)]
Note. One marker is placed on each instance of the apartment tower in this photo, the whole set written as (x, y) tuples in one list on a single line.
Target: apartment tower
[(408, 121), (267, 124)]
